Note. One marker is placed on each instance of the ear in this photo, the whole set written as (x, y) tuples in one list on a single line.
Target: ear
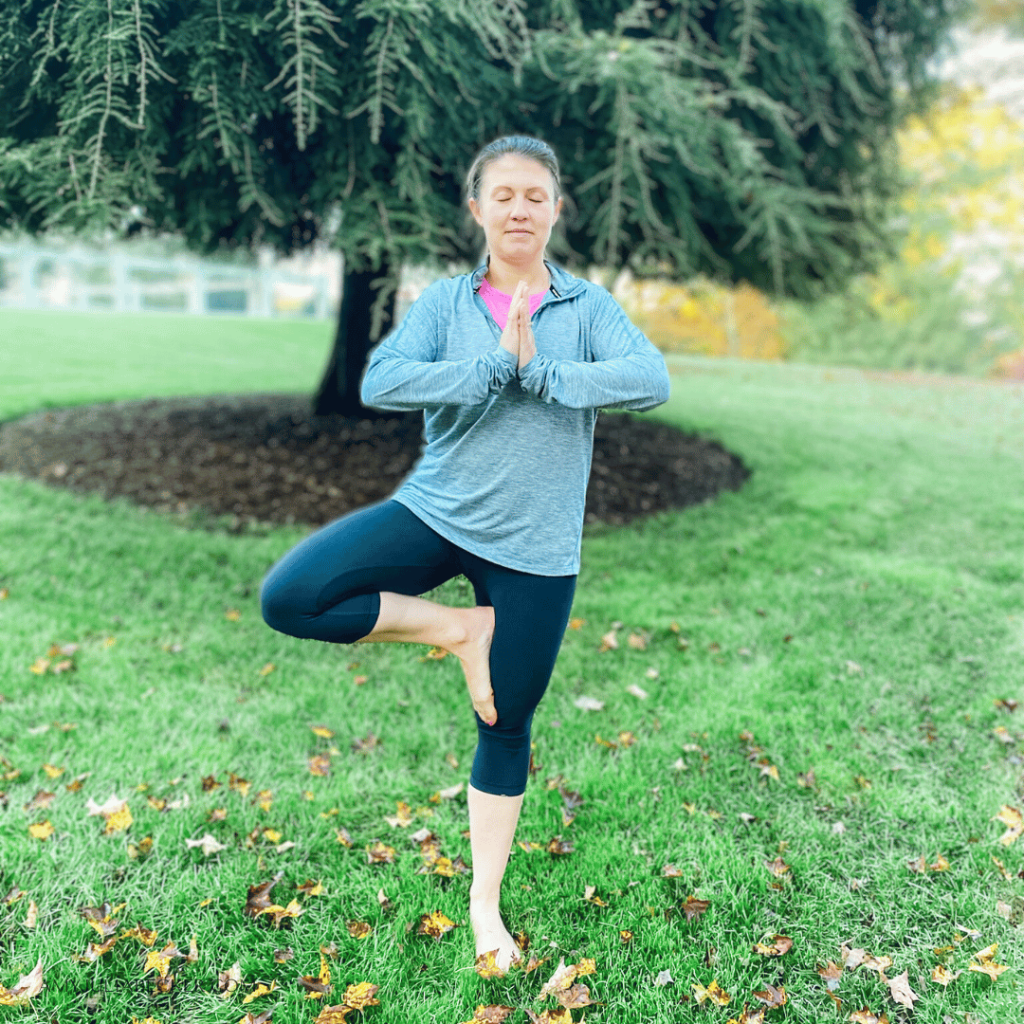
[(558, 210), (475, 210)]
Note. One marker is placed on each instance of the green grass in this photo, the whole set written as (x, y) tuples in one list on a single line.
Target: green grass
[(858, 608), (65, 358)]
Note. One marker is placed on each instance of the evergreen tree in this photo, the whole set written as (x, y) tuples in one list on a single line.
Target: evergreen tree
[(746, 139)]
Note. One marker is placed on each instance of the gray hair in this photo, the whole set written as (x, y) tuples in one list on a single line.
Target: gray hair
[(520, 145)]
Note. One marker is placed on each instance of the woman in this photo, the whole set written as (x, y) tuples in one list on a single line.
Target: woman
[(498, 494)]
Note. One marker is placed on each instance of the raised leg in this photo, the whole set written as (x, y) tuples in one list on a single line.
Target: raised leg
[(465, 632)]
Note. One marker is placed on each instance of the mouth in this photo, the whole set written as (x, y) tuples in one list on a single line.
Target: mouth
[(520, 231)]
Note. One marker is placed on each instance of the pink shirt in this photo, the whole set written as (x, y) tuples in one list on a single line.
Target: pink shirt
[(499, 303)]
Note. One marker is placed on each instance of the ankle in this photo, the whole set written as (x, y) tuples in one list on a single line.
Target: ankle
[(484, 899), (458, 628)]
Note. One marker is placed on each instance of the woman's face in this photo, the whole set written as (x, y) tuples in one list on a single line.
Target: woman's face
[(517, 208)]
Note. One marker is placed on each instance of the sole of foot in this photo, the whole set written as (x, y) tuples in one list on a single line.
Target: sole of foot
[(474, 654)]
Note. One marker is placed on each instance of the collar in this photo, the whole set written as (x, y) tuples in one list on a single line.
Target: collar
[(556, 275)]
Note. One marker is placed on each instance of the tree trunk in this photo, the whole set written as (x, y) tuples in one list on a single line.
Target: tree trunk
[(339, 388)]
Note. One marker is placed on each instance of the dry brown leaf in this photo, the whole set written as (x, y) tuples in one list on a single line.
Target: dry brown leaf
[(865, 1016), (746, 1017), (943, 976), (258, 899), (831, 975), (773, 997), (780, 945), (900, 990), (852, 958), (693, 907), (29, 985)]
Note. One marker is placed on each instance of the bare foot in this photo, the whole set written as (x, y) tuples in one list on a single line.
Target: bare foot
[(474, 653), (491, 934)]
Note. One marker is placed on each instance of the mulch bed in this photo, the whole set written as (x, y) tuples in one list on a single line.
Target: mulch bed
[(263, 458)]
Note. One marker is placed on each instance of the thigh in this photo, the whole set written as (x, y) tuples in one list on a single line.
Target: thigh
[(382, 547), (531, 614)]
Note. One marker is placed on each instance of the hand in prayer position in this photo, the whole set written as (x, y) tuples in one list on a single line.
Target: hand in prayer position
[(517, 337)]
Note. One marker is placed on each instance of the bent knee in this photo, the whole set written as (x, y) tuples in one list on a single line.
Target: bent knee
[(281, 607)]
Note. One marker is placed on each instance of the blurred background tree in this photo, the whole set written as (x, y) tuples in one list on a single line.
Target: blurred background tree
[(746, 140)]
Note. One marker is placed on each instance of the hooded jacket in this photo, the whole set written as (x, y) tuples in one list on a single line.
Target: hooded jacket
[(508, 451)]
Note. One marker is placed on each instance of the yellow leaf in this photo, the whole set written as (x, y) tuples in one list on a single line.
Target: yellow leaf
[(159, 961), (1011, 817), (322, 731), (260, 990), (267, 669), (53, 771), (118, 821), (42, 830), (232, 615), (714, 992)]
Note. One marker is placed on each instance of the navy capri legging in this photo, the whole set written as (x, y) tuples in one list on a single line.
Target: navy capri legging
[(328, 588)]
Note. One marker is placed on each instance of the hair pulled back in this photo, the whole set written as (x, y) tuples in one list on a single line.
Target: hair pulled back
[(519, 145)]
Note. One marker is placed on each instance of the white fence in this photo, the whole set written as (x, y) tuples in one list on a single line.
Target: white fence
[(115, 279)]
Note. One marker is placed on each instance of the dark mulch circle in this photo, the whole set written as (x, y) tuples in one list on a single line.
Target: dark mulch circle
[(263, 458)]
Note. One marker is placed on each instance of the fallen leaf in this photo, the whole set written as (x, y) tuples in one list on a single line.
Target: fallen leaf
[(943, 976), (831, 975), (260, 990), (434, 924), (208, 844), (229, 980), (29, 985), (41, 830), (900, 990), (714, 992), (773, 997), (1011, 817), (865, 1016), (638, 641), (693, 907), (983, 962), (780, 945)]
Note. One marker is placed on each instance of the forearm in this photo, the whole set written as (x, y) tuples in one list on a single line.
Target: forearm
[(637, 382), (391, 382)]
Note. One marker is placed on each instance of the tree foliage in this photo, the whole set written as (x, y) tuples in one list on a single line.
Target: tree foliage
[(743, 139)]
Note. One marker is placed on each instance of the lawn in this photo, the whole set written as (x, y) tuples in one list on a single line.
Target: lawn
[(807, 729)]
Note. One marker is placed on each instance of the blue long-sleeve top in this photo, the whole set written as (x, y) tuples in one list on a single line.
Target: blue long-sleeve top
[(508, 451)]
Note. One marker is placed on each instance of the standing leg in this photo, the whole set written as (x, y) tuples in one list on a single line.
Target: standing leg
[(531, 614)]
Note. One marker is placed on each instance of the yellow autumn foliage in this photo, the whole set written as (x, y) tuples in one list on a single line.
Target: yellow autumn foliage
[(964, 171)]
